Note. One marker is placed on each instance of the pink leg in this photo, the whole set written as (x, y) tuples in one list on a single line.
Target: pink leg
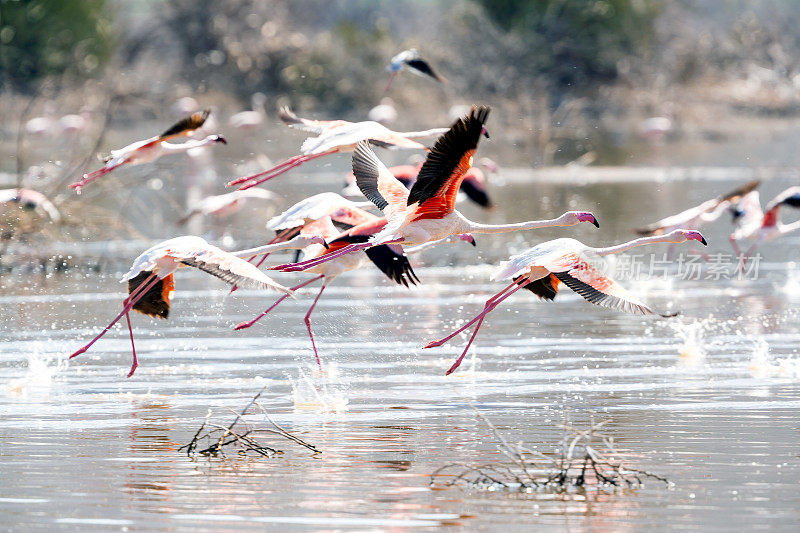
[(487, 308), (279, 166), (249, 323), (464, 353), (307, 320), (745, 257), (305, 265), (391, 79), (91, 176), (133, 348), (128, 304)]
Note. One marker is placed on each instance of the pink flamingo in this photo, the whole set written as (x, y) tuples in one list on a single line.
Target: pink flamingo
[(762, 226), (410, 60), (542, 268), (224, 205), (427, 212), (694, 218), (316, 215), (30, 199), (333, 136), (473, 186), (151, 284), (252, 119), (151, 149)]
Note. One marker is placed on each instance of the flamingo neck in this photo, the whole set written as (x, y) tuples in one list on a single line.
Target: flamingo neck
[(188, 145), (631, 244), (477, 227), (788, 228), (293, 244)]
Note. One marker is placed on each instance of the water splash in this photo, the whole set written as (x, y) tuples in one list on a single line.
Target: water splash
[(38, 377), (321, 391), (762, 364)]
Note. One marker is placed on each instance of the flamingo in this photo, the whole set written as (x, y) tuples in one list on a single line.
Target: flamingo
[(151, 283), (224, 205), (473, 186), (427, 212), (317, 215), (542, 268), (694, 218), (151, 149), (383, 113), (762, 226), (410, 60), (30, 199), (250, 120), (333, 136)]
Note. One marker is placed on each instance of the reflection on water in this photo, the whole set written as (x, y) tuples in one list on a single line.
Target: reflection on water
[(709, 399)]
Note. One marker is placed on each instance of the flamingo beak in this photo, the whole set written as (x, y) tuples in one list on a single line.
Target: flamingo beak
[(221, 139), (467, 237), (485, 131), (588, 217), (325, 244), (696, 236)]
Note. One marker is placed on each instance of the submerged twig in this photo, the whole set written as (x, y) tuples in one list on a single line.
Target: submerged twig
[(218, 437), (576, 464)]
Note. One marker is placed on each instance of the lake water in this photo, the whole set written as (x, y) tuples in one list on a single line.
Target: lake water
[(709, 400)]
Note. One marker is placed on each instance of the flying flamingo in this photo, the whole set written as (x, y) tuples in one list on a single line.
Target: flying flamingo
[(694, 218), (427, 212), (250, 120), (473, 185), (224, 205), (410, 60), (317, 215), (542, 268), (30, 199), (762, 226), (151, 149), (333, 136), (151, 284)]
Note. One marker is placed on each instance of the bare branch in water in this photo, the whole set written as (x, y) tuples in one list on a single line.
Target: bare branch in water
[(238, 435), (576, 464)]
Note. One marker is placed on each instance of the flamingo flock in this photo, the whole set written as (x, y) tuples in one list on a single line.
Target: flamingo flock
[(406, 209)]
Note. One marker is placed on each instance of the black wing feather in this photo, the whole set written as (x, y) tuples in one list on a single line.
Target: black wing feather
[(187, 124), (590, 294), (365, 169), (395, 265), (475, 194), (151, 303), (543, 288), (446, 154), (422, 66)]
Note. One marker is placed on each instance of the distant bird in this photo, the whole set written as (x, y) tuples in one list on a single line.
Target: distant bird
[(250, 120), (184, 106), (151, 284), (333, 136), (31, 200), (694, 218), (411, 61), (224, 205), (383, 113), (74, 124), (473, 186), (762, 226), (655, 128), (317, 215), (427, 212), (542, 268), (44, 125), (151, 149)]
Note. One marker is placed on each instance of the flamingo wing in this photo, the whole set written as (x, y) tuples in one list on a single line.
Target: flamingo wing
[(594, 287), (391, 260), (314, 207), (377, 184), (790, 197), (420, 66), (317, 127), (545, 288), (475, 188), (185, 126), (158, 298), (441, 175)]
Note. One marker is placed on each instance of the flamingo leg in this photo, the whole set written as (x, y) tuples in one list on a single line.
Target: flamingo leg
[(133, 347), (247, 182), (249, 323), (466, 348), (487, 308), (391, 79), (279, 166), (305, 265), (307, 320), (91, 176), (745, 257), (128, 304)]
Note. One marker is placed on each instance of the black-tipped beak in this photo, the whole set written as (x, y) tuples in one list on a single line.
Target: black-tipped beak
[(473, 243), (596, 223), (221, 139), (325, 244), (485, 132), (703, 240)]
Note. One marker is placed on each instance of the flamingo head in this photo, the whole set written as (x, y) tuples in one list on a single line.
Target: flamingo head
[(218, 139), (308, 240), (683, 235), (570, 218), (467, 237), (488, 164)]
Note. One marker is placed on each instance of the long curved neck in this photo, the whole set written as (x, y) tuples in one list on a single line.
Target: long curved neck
[(630, 244), (424, 133), (788, 228), (293, 244), (188, 145), (477, 227)]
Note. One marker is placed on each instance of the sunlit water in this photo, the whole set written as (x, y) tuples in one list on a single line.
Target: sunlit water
[(709, 399)]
